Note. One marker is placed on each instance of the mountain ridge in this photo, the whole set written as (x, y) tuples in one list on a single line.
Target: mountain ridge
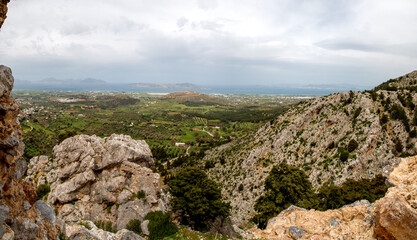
[(314, 135)]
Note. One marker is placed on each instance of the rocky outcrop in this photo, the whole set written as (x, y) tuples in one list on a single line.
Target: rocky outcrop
[(3, 11), (396, 213), (98, 179), (21, 216), (312, 135), (392, 217), (87, 230)]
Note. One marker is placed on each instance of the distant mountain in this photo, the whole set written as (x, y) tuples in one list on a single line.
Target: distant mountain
[(175, 85), (87, 81)]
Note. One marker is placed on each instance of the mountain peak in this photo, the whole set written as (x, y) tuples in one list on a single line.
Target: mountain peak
[(407, 81)]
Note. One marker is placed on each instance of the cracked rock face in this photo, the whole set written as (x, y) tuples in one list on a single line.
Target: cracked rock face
[(19, 218), (98, 179), (391, 217)]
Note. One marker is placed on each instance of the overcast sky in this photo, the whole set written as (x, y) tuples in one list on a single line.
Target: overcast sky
[(209, 42)]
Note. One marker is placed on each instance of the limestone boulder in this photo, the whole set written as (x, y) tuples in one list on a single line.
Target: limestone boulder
[(98, 179)]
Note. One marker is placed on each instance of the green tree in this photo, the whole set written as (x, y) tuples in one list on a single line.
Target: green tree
[(196, 198), (352, 145), (160, 225), (134, 226), (344, 154), (332, 197), (285, 186)]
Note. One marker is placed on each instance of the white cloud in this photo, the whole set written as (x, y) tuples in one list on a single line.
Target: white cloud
[(265, 41)]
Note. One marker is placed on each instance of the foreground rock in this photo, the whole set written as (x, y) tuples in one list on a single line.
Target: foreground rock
[(392, 217), (98, 179), (87, 230)]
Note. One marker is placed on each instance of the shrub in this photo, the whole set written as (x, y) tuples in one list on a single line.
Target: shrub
[(160, 225), (413, 133), (209, 164), (343, 154), (357, 112), (66, 134), (62, 236), (197, 199), (42, 190), (384, 119), (398, 146), (85, 224), (106, 226), (285, 186), (352, 145), (332, 197), (134, 226), (398, 113), (141, 194)]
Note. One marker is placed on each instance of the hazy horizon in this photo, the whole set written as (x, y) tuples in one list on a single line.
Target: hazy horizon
[(206, 42)]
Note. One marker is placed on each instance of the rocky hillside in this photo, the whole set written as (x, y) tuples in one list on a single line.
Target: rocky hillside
[(392, 217), (333, 138), (107, 180)]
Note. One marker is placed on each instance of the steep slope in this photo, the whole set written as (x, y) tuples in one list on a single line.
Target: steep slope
[(333, 138)]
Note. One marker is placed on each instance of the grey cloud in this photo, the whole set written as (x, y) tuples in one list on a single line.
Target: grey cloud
[(181, 22), (333, 44)]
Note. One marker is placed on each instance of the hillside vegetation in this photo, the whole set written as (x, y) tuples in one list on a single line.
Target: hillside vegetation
[(350, 135)]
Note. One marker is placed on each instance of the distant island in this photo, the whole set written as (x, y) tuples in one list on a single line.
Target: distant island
[(175, 85)]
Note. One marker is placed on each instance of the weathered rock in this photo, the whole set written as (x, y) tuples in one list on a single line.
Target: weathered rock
[(6, 232), (124, 196), (297, 232), (144, 227), (18, 219), (46, 211), (24, 228), (97, 179), (4, 213), (396, 213), (392, 217), (223, 226), (79, 231)]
